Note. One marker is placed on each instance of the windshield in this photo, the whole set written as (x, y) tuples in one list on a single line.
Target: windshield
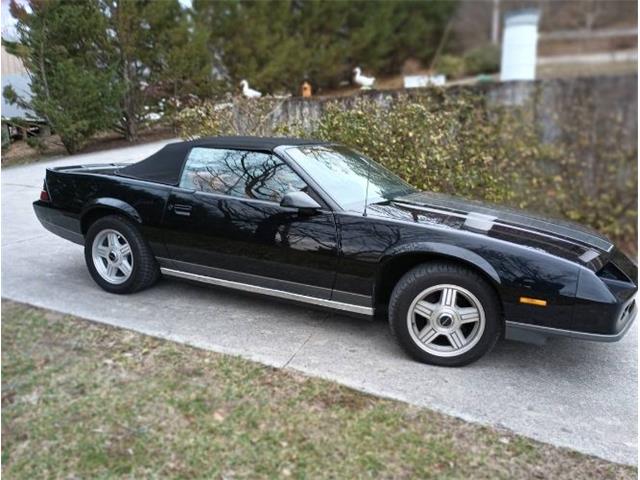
[(342, 174)]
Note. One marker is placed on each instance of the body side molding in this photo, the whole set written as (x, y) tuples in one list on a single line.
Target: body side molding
[(348, 307)]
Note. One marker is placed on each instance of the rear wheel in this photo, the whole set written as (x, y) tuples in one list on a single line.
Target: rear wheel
[(444, 314), (118, 258)]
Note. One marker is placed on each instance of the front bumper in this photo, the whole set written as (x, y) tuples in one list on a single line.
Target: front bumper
[(538, 334)]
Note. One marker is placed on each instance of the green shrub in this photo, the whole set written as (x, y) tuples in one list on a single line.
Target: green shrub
[(72, 76), (455, 143), (240, 116), (440, 145), (452, 66), (37, 143), (485, 59)]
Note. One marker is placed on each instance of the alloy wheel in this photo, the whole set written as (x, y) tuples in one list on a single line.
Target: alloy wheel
[(112, 256), (446, 320)]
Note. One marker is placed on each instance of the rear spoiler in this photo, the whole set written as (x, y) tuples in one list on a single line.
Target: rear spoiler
[(90, 166)]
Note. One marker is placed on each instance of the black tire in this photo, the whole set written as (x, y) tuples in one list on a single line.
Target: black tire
[(430, 275), (145, 271)]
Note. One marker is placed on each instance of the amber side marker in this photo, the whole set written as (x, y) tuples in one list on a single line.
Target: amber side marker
[(533, 301)]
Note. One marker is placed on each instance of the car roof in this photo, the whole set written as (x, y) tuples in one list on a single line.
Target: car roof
[(250, 143), (165, 166)]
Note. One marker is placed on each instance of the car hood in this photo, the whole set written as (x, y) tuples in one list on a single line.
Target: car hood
[(560, 237)]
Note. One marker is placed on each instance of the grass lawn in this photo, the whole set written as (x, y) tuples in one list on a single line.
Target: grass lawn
[(83, 400)]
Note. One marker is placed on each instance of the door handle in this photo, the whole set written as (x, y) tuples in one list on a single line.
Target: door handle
[(180, 209)]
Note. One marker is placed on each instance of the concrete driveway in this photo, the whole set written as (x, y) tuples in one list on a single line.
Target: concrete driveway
[(577, 394)]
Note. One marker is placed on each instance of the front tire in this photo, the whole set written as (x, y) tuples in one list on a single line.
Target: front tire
[(444, 314), (117, 256)]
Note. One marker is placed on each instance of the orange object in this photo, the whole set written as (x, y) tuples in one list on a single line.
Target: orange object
[(533, 301), (306, 89)]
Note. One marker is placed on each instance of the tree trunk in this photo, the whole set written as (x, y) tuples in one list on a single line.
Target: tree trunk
[(174, 122), (131, 123), (130, 118)]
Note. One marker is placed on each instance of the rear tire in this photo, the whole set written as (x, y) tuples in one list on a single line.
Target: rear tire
[(445, 314), (117, 256)]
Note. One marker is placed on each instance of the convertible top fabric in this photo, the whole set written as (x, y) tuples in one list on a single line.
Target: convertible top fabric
[(165, 166)]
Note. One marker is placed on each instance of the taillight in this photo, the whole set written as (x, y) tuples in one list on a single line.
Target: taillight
[(44, 195)]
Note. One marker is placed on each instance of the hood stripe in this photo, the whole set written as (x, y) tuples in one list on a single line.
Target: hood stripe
[(472, 217)]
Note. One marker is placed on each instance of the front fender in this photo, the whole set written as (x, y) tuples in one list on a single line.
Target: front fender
[(442, 249)]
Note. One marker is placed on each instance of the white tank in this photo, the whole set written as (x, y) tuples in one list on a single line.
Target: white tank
[(520, 45)]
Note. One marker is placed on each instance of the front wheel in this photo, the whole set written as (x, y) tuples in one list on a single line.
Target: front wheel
[(118, 258), (444, 314)]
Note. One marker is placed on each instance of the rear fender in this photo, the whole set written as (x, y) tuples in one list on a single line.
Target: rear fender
[(112, 204)]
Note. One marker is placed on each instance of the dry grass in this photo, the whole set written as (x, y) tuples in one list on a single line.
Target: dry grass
[(82, 400)]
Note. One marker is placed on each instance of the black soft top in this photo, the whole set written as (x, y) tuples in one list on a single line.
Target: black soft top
[(165, 166)]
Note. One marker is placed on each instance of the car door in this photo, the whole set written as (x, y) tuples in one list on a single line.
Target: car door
[(225, 221)]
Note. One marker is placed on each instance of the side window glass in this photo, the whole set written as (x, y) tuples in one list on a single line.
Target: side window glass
[(239, 173)]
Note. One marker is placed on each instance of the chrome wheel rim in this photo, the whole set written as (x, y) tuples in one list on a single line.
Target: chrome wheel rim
[(446, 320), (112, 256)]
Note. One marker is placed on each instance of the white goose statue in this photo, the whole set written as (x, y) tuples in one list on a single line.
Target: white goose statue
[(364, 82), (249, 92)]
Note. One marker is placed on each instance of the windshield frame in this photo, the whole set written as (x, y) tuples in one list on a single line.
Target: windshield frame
[(283, 150)]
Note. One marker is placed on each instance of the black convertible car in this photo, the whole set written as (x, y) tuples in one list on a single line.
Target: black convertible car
[(319, 223)]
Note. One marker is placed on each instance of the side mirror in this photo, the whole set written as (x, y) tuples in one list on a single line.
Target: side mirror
[(301, 201)]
